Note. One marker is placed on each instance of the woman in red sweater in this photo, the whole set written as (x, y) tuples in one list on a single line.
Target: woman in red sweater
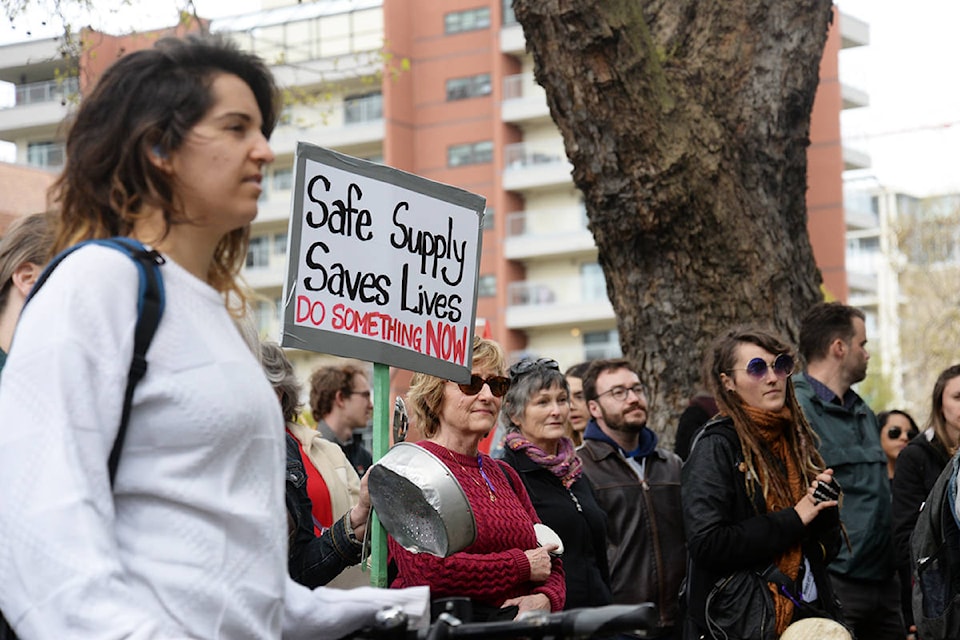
[(504, 566)]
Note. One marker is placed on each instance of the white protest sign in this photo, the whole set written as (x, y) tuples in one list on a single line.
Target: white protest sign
[(382, 265)]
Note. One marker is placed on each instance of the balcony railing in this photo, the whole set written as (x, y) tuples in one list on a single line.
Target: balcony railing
[(522, 87), (553, 291), (546, 222), (47, 156), (46, 91), (522, 155)]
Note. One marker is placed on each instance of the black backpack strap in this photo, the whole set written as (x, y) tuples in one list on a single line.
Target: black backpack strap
[(150, 305)]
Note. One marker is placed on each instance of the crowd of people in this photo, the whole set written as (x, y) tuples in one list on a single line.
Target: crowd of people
[(789, 499)]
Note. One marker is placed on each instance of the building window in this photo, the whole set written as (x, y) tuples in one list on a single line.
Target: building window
[(365, 108), (509, 17), (258, 254), (473, 153), (487, 286), (265, 314), (470, 87), (487, 221), (46, 154), (280, 244), (601, 344), (469, 20), (593, 286), (282, 179)]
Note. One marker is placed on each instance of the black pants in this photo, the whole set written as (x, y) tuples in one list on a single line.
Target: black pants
[(871, 609)]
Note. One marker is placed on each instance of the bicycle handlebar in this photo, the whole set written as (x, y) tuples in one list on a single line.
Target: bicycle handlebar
[(576, 623)]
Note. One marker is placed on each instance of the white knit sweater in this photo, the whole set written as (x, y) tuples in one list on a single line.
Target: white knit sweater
[(192, 540)]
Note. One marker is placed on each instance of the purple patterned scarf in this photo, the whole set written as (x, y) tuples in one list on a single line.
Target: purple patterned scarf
[(565, 465)]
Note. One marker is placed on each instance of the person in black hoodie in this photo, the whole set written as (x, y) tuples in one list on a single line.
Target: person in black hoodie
[(534, 413), (920, 463)]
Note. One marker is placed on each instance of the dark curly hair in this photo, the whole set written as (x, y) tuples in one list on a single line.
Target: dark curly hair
[(145, 102)]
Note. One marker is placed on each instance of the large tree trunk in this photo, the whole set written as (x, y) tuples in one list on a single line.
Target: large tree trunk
[(687, 124)]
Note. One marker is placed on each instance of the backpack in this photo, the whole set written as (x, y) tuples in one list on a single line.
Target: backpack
[(935, 561), (150, 305)]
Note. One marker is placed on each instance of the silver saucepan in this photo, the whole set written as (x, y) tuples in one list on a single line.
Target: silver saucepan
[(420, 503)]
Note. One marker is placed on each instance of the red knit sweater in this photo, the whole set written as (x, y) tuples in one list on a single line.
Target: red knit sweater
[(494, 568)]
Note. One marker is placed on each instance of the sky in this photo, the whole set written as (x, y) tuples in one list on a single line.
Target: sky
[(911, 129)]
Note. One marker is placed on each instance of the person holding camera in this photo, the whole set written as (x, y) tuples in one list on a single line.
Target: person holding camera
[(759, 509)]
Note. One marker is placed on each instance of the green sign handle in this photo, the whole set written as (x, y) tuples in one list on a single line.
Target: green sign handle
[(381, 443)]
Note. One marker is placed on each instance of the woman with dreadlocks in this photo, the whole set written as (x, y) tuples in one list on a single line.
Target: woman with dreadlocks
[(759, 510)]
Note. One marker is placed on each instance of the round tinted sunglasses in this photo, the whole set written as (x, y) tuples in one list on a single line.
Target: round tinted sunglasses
[(498, 385), (894, 433), (757, 368)]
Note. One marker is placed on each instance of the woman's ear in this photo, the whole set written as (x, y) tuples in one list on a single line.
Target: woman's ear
[(159, 158), (25, 276), (727, 382)]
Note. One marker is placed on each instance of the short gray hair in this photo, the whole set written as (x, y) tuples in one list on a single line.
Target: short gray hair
[(280, 373), (522, 388)]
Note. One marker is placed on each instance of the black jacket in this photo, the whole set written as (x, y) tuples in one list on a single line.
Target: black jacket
[(583, 531), (727, 531), (313, 561), (918, 467)]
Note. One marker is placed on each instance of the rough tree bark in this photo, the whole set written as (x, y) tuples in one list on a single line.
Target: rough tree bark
[(687, 124)]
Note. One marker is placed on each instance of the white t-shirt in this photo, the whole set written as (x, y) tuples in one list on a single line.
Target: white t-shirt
[(191, 542)]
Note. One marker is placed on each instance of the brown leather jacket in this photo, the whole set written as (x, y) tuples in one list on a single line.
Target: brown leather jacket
[(646, 547)]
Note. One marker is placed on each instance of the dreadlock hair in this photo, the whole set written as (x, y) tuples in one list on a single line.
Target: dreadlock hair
[(760, 463)]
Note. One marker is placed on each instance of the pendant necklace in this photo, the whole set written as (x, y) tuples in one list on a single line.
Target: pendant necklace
[(490, 489)]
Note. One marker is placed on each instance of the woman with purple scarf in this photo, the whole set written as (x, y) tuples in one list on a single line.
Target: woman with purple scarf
[(535, 411)]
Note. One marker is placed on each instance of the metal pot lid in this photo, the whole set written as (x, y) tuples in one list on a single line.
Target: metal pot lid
[(420, 503)]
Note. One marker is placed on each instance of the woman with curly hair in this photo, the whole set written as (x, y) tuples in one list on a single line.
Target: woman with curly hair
[(760, 511), (189, 538)]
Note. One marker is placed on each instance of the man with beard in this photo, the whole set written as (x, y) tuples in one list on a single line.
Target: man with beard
[(638, 485), (833, 342)]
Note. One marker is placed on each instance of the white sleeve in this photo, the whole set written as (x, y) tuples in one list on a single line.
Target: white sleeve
[(60, 402), (333, 613)]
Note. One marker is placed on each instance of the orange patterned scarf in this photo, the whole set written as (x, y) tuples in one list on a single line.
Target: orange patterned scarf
[(771, 427)]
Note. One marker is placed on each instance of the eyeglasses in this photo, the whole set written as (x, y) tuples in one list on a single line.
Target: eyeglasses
[(757, 368), (620, 393), (365, 394), (528, 365), (498, 385), (894, 433)]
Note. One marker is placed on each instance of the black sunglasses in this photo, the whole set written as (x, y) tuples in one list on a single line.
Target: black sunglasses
[(757, 368), (498, 385), (528, 365), (894, 433)]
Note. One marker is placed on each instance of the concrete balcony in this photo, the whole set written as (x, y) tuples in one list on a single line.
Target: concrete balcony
[(512, 41), (352, 139), (855, 159), (858, 220), (31, 59), (524, 101), (566, 356), (267, 277), (528, 168), (276, 206), (556, 302), (548, 233), (30, 120), (853, 97), (861, 283), (854, 32)]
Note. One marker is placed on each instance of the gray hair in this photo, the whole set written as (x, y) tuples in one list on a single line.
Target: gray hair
[(280, 373), (522, 388)]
